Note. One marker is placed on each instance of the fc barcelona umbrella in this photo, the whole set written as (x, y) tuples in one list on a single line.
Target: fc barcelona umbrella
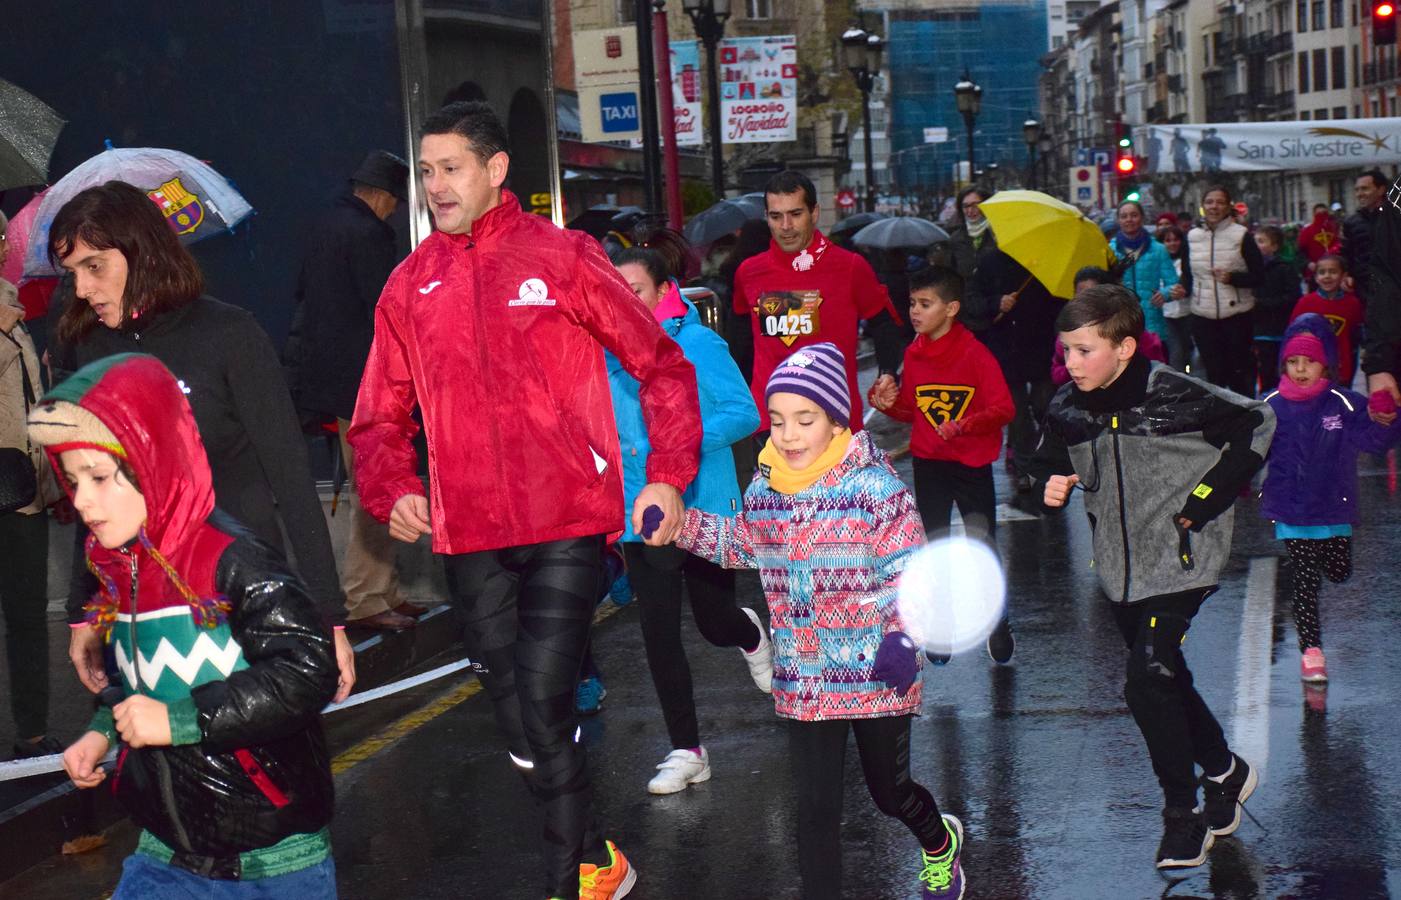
[(197, 201)]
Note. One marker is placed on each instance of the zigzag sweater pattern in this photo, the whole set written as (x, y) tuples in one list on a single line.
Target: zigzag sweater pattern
[(829, 558)]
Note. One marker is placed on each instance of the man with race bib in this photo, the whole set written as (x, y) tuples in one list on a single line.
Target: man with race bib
[(806, 290)]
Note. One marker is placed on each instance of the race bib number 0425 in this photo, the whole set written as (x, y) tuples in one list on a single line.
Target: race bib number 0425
[(789, 315)]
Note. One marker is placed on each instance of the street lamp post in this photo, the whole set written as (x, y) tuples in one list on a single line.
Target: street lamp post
[(1044, 146), (709, 17), (1031, 131), (861, 53), (969, 98)]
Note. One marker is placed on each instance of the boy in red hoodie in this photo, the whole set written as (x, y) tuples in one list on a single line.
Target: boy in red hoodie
[(953, 391), (1340, 307)]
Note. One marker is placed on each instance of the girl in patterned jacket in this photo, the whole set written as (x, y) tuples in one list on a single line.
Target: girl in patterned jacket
[(830, 526)]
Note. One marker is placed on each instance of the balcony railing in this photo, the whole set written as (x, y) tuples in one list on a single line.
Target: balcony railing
[(1281, 43), (1374, 72)]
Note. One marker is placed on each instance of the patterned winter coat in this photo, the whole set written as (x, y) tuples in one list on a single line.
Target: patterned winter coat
[(829, 558)]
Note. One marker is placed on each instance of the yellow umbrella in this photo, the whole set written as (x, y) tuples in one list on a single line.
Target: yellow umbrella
[(1051, 239)]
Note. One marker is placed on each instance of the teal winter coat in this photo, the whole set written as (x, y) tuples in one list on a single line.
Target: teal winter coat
[(727, 415), (1152, 272)]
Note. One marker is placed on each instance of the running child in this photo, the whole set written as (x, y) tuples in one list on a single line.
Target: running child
[(1274, 298), (829, 526), (1136, 437), (221, 757), (953, 391), (1310, 488), (1340, 307)]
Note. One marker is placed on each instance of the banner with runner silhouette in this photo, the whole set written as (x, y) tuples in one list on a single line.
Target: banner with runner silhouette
[(1268, 146)]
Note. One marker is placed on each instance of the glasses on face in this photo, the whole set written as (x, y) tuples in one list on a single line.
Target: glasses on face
[(968, 206)]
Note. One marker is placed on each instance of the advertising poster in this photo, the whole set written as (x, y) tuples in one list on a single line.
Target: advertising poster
[(759, 89), (686, 93)]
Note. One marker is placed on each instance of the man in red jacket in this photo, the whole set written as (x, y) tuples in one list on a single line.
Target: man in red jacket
[(806, 290), (494, 327)]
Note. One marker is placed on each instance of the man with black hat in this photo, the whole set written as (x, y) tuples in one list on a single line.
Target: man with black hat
[(349, 255)]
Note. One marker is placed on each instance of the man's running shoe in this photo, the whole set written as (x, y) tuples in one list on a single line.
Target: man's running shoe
[(1224, 801), (938, 659), (760, 662), (1001, 643), (588, 695), (942, 875), (1313, 667), (608, 882), (1186, 839), (680, 769)]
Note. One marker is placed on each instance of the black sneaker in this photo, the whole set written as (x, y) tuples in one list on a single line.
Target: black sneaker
[(1001, 643), (938, 659), (1224, 801), (1186, 839)]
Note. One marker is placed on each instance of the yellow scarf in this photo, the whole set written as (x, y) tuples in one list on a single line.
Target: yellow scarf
[(786, 480)]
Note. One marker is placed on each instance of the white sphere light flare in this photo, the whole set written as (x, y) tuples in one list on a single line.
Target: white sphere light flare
[(951, 594)]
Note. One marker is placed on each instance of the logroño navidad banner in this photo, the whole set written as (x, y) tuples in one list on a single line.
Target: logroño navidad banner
[(1269, 146)]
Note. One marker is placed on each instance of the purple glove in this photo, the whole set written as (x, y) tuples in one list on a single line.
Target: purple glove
[(651, 520), (897, 662)]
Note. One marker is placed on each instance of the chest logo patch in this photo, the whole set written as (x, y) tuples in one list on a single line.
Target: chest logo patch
[(1338, 323), (789, 315), (942, 403), (1332, 423), (428, 288), (532, 292)]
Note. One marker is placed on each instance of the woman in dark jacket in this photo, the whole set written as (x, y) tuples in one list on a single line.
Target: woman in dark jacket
[(969, 238), (137, 290)]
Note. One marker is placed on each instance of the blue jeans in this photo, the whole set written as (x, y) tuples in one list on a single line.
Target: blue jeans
[(146, 878)]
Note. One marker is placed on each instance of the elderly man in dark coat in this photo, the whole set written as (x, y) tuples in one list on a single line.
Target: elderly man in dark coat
[(350, 252)]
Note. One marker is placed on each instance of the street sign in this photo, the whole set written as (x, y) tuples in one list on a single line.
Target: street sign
[(846, 199), (1082, 156), (936, 135), (617, 113), (606, 77), (1084, 185), (1099, 157)]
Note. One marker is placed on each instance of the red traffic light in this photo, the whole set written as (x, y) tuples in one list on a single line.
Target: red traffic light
[(1125, 165), (1383, 10)]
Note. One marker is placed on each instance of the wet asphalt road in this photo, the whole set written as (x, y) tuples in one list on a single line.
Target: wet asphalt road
[(1040, 759)]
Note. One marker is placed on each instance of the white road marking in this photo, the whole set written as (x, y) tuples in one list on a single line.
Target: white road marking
[(1250, 716)]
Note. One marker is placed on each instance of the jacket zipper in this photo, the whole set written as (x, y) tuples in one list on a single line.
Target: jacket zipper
[(131, 631), (1215, 286), (1123, 514)]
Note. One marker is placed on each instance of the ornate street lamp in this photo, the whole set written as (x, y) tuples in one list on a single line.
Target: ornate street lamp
[(1031, 132), (709, 17), (969, 97), (861, 53)]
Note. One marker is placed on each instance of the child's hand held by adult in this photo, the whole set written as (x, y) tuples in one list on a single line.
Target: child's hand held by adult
[(142, 721), (667, 499), (1381, 406), (1058, 488)]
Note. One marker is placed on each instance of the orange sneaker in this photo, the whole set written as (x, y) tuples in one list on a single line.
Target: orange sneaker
[(609, 882)]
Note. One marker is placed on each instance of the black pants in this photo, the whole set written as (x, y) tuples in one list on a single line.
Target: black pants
[(939, 484), (658, 574), (24, 578), (1225, 348), (1030, 400), (1267, 364), (1174, 720), (525, 613), (1179, 345), (1309, 561), (818, 754)]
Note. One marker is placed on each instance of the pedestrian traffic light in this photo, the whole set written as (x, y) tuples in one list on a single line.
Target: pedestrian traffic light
[(1383, 22)]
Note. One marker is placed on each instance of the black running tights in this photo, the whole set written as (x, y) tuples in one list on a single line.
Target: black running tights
[(1309, 560)]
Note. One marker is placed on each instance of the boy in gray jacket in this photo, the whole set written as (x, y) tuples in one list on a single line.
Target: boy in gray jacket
[(1161, 458)]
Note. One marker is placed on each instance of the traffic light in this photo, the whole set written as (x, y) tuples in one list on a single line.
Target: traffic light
[(1126, 166), (1383, 22)]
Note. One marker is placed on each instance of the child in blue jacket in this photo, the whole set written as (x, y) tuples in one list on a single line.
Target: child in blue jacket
[(1322, 427), (659, 573)]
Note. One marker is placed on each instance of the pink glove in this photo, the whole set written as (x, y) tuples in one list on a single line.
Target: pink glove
[(1381, 403), (950, 430)]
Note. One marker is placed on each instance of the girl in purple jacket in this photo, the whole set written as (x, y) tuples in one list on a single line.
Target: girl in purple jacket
[(1322, 428)]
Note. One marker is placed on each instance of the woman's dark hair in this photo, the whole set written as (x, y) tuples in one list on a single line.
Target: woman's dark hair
[(161, 273), (971, 189), (1112, 308), (1274, 233), (1164, 230), (650, 260), (1095, 274), (681, 261), (1135, 204)]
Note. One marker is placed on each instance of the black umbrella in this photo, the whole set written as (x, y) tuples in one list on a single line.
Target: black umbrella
[(719, 220), (900, 232), (596, 220), (853, 224)]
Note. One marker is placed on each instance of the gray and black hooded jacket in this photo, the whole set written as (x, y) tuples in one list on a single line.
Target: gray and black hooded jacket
[(1152, 446)]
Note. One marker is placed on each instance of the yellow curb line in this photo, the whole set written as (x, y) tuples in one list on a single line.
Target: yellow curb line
[(420, 717)]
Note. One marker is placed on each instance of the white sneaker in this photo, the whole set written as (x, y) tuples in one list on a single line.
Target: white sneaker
[(679, 769), (760, 662)]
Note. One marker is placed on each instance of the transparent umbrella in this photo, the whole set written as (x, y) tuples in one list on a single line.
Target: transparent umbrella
[(197, 201), (28, 131)]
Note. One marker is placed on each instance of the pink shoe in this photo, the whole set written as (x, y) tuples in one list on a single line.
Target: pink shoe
[(1313, 667)]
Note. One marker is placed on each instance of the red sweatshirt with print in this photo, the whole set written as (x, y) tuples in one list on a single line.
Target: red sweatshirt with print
[(1345, 314)]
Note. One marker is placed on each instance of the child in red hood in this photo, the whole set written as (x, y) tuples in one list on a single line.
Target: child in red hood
[(224, 661)]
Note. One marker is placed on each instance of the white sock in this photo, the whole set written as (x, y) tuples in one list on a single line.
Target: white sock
[(1221, 779)]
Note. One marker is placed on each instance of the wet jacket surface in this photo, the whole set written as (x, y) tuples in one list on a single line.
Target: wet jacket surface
[(497, 336)]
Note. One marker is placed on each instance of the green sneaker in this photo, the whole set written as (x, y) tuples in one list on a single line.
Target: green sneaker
[(942, 875)]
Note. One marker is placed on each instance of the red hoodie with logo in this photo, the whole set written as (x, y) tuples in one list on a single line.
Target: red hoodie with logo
[(821, 293), (498, 337), (954, 378)]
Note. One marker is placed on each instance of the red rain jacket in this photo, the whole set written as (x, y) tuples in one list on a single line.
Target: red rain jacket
[(498, 336)]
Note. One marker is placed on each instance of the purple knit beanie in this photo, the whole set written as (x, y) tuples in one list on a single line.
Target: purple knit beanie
[(817, 372)]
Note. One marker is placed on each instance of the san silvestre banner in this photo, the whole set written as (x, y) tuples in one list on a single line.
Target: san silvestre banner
[(1269, 146)]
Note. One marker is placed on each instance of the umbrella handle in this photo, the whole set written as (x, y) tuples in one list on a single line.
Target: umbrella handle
[(1018, 292)]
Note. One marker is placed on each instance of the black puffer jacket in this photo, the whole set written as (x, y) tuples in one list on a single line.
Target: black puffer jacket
[(260, 772)]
